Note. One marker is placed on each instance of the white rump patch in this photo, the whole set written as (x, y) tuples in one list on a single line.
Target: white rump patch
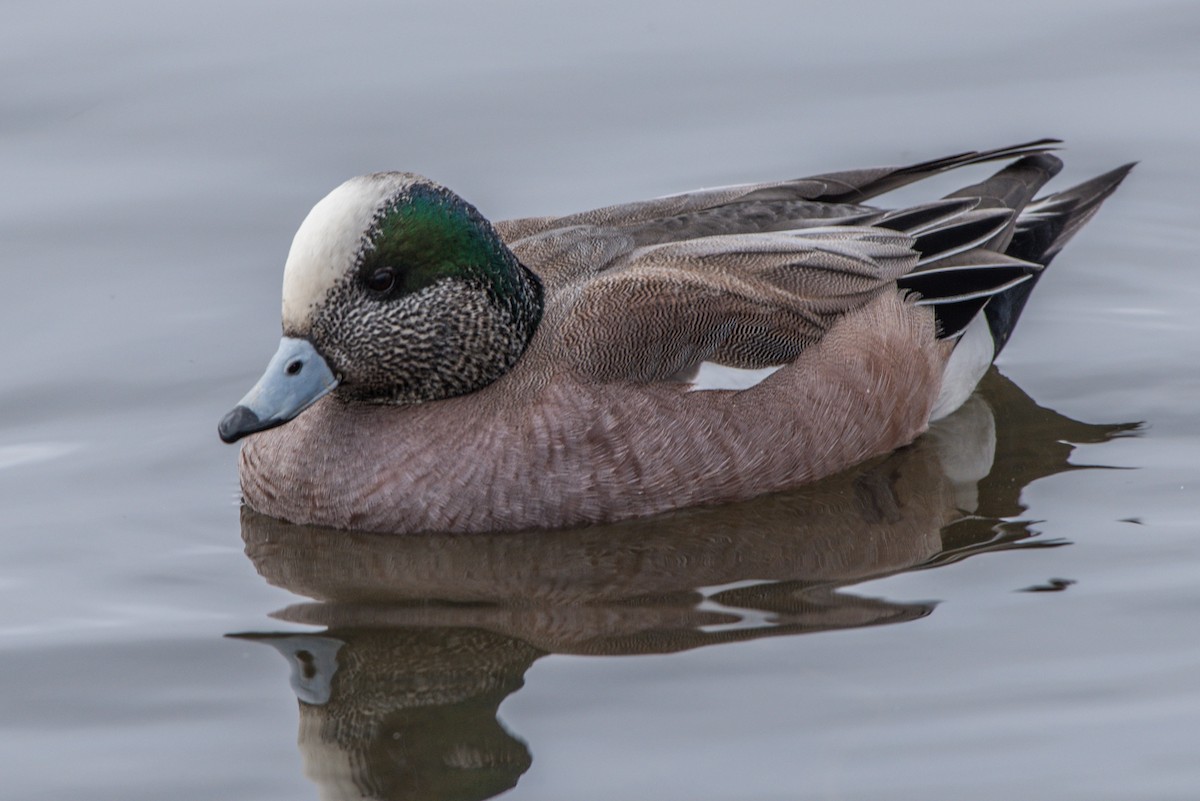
[(327, 244), (967, 365), (711, 375)]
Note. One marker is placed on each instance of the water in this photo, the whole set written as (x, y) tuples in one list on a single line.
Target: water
[(156, 160)]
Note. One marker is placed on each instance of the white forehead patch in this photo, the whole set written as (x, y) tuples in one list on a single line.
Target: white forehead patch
[(327, 244)]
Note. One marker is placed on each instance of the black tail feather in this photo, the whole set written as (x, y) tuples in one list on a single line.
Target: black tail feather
[(957, 292), (1050, 222), (968, 231), (986, 245), (1041, 232)]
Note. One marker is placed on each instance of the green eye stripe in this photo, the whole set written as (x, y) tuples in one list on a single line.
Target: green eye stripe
[(429, 234)]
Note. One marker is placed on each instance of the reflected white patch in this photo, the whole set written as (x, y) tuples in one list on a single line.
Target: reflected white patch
[(711, 376), (970, 360), (327, 244), (966, 447), (34, 452), (743, 618)]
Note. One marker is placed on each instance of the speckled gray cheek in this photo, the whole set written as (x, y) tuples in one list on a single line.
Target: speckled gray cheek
[(448, 339)]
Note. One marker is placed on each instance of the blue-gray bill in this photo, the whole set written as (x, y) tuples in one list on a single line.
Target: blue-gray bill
[(296, 378)]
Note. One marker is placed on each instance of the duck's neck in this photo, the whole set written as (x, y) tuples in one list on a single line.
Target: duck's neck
[(526, 305), (517, 300)]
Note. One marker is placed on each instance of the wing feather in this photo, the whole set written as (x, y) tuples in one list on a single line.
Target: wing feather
[(742, 301)]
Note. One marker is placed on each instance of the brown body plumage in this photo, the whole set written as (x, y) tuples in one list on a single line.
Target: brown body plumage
[(544, 447)]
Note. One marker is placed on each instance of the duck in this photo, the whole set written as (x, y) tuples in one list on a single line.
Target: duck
[(438, 372)]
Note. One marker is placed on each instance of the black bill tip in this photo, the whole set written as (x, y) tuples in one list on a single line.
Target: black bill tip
[(240, 422)]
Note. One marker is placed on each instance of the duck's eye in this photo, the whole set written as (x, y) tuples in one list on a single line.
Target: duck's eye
[(382, 280)]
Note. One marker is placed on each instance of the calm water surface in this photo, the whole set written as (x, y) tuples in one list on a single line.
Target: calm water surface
[(1009, 608)]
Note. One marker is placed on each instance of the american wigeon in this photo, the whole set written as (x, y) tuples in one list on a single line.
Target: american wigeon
[(443, 373)]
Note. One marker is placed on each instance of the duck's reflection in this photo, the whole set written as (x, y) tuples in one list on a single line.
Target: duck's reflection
[(425, 636), (406, 712)]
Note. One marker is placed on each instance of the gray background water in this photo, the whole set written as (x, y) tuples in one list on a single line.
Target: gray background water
[(156, 159)]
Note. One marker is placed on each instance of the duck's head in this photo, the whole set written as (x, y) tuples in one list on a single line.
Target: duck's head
[(395, 290)]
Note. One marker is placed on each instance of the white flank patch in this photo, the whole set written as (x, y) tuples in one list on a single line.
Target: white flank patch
[(970, 360), (327, 244), (717, 376)]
